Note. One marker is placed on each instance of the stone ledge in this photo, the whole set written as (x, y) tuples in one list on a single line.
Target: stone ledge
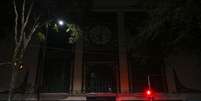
[(83, 97)]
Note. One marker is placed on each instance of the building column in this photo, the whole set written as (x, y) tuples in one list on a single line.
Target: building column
[(170, 79), (77, 70), (123, 64), (31, 64)]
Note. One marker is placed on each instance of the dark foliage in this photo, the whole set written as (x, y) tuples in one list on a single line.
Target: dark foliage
[(173, 24)]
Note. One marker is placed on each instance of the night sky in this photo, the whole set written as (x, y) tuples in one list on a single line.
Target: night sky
[(4, 18), (47, 9)]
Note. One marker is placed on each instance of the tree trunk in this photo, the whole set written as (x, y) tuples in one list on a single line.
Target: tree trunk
[(12, 83)]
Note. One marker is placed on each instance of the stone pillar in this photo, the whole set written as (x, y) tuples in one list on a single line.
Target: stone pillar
[(77, 72), (123, 65), (170, 79), (32, 65)]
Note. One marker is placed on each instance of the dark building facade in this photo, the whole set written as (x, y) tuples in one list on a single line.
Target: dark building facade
[(102, 65)]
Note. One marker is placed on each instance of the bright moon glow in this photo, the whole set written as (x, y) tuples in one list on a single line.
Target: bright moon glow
[(61, 23)]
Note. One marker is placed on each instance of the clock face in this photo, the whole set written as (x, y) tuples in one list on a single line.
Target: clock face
[(100, 34)]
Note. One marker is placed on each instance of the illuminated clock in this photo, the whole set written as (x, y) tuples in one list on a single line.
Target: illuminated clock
[(100, 34)]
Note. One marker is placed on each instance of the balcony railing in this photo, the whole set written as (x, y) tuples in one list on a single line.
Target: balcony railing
[(101, 86)]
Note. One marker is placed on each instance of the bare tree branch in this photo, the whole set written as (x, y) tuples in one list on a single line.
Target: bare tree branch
[(43, 24), (25, 24), (34, 28), (5, 63), (178, 38), (29, 38), (28, 15), (16, 21), (23, 11), (22, 22)]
